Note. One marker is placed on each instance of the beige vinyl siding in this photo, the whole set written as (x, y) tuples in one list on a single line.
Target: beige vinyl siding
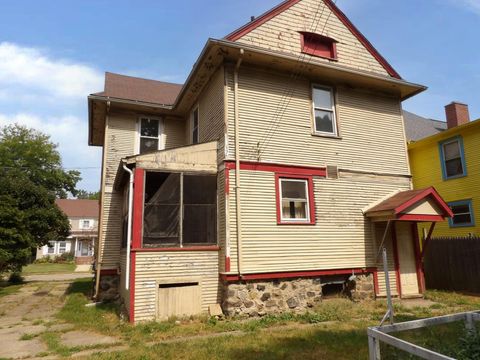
[(174, 133), (124, 293), (154, 267), (280, 128), (221, 218), (112, 230), (379, 231), (281, 34), (341, 238)]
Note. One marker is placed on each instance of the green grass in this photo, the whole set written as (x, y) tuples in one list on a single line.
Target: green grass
[(336, 329), (48, 268), (7, 288)]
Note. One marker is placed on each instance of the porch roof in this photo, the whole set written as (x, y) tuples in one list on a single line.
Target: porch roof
[(411, 205), (191, 158)]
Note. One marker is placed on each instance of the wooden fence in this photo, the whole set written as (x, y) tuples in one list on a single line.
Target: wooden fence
[(453, 263)]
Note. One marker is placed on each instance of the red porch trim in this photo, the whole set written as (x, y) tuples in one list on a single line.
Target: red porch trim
[(227, 263), (418, 259), (396, 259), (227, 181), (375, 282), (189, 248), (108, 272), (280, 168), (311, 199), (427, 192), (245, 29), (137, 232), (420, 218), (296, 274)]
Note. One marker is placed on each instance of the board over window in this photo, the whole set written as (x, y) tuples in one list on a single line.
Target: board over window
[(295, 202), (180, 210), (323, 101), (318, 45), (452, 158)]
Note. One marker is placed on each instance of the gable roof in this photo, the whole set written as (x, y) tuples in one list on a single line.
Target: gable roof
[(245, 29), (400, 202), (418, 127), (79, 207), (139, 89)]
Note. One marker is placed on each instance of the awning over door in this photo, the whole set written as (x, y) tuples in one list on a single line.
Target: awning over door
[(411, 205)]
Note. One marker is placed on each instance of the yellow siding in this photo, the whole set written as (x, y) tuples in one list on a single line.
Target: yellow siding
[(427, 171), (370, 126), (281, 34), (342, 237), (165, 266)]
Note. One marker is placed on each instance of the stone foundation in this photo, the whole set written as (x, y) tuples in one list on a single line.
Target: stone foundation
[(257, 298), (109, 288)]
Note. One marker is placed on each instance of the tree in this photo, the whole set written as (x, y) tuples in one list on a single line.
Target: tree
[(89, 195), (31, 178)]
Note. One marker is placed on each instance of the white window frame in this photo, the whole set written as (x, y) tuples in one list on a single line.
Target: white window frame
[(59, 247), (90, 221), (307, 212), (54, 248), (160, 137), (332, 110), (197, 109)]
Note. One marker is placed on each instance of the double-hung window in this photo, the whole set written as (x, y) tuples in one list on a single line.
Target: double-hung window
[(149, 130), (51, 247), (85, 224), (462, 214), (324, 111), (194, 126), (294, 200), (62, 247), (452, 158)]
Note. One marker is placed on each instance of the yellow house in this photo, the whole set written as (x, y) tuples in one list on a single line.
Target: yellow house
[(449, 160)]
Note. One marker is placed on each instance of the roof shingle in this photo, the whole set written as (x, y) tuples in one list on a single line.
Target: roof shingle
[(418, 127), (79, 207)]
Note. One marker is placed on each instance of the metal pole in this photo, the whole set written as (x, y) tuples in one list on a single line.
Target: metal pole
[(387, 284)]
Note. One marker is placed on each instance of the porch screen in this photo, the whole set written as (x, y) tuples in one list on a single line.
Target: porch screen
[(180, 210)]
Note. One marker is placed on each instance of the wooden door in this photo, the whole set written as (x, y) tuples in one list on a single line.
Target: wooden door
[(180, 299), (406, 259)]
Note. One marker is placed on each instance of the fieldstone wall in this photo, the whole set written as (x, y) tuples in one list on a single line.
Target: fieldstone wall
[(266, 297), (257, 298), (109, 288)]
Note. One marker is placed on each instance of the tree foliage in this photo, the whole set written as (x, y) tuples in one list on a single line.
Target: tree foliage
[(88, 195), (31, 178)]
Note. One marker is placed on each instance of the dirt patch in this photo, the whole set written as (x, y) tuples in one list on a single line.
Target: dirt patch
[(86, 338)]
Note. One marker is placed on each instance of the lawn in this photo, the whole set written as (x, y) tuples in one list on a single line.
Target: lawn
[(336, 329), (6, 288), (48, 268)]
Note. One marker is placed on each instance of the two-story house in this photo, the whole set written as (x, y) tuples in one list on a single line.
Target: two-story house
[(447, 156), (83, 217), (276, 172)]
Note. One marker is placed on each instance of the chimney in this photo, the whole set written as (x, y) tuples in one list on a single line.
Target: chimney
[(457, 114)]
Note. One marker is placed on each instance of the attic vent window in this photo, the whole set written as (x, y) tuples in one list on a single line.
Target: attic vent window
[(318, 45)]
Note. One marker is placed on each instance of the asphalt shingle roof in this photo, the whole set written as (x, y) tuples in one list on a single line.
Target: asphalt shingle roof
[(418, 127)]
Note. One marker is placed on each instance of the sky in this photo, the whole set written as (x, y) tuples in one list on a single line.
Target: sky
[(54, 53)]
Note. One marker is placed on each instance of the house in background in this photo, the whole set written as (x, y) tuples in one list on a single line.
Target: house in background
[(278, 170), (83, 217), (446, 155)]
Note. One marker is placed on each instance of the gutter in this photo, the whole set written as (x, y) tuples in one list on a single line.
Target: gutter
[(129, 224), (237, 165)]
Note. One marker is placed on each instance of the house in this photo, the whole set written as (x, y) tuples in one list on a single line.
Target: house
[(276, 172), (448, 158), (83, 217)]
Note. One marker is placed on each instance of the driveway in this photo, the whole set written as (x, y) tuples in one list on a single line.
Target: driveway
[(58, 277)]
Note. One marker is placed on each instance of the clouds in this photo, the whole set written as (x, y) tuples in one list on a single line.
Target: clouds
[(32, 68), (470, 5), (50, 95)]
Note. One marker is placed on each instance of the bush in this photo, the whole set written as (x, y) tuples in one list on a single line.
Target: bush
[(15, 278), (45, 260), (64, 258)]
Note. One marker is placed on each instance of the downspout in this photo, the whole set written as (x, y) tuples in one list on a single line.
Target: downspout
[(237, 165), (129, 224), (102, 213)]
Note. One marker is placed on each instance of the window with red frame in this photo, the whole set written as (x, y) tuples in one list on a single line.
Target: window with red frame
[(294, 200), (318, 45)]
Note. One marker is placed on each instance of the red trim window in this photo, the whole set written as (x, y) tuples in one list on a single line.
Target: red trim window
[(295, 200), (318, 45)]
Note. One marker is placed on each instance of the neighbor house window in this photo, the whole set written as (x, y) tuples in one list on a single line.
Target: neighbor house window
[(294, 200), (180, 210), (318, 45), (85, 224), (462, 213), (62, 247), (149, 135), (194, 126), (324, 110), (452, 158), (51, 247)]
